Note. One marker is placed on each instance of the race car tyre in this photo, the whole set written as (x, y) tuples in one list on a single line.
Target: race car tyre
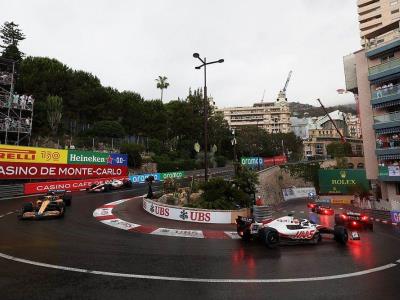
[(271, 238), (128, 184), (67, 200), (61, 209), (27, 207), (316, 238), (246, 235), (107, 188), (340, 234), (313, 209)]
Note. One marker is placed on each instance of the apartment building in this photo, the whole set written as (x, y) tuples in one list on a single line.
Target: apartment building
[(273, 117), (376, 14), (373, 74)]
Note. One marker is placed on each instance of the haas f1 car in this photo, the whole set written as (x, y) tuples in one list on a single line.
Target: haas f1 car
[(354, 220), (289, 230), (50, 206), (114, 184)]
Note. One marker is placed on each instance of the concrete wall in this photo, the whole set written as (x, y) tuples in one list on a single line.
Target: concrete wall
[(366, 113)]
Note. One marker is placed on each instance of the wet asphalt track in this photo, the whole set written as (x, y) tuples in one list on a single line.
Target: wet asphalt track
[(80, 241)]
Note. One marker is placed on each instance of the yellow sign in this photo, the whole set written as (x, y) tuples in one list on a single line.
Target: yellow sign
[(20, 154), (340, 201)]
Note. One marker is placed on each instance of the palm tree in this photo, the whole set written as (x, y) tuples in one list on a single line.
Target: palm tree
[(162, 84)]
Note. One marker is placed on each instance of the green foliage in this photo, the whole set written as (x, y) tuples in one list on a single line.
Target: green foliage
[(133, 151), (220, 194), (220, 160), (166, 163), (253, 141), (11, 35), (246, 180), (338, 149), (307, 171), (162, 84), (170, 185), (54, 108), (108, 129)]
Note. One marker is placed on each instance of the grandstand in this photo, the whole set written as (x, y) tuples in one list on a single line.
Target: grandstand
[(16, 111)]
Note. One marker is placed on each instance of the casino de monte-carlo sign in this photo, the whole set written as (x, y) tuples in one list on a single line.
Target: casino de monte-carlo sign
[(342, 181)]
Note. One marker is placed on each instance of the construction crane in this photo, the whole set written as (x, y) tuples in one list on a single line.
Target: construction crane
[(287, 82), (343, 139)]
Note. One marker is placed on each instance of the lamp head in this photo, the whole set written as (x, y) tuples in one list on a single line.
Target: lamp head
[(196, 55), (221, 60)]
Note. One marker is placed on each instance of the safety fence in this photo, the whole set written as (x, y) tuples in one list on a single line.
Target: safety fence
[(11, 190)]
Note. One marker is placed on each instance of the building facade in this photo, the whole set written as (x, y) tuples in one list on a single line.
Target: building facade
[(272, 117), (376, 14), (373, 73)]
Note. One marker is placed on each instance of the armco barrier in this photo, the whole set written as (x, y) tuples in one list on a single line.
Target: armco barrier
[(11, 190), (186, 214), (262, 212)]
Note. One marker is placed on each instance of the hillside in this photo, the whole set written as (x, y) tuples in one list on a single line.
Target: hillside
[(314, 111)]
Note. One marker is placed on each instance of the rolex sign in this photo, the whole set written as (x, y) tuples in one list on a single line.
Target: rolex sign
[(342, 181)]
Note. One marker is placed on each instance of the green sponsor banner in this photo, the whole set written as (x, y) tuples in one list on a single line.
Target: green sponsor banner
[(87, 157), (178, 174), (383, 171), (342, 181)]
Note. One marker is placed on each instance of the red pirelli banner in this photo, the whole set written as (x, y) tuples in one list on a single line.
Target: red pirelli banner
[(16, 170), (68, 185)]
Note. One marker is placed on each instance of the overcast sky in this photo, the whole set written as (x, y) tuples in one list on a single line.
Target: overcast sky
[(127, 44)]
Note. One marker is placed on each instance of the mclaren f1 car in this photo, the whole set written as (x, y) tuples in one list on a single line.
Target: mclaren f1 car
[(49, 206)]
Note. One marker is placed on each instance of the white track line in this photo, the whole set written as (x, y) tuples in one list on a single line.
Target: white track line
[(6, 214), (202, 280)]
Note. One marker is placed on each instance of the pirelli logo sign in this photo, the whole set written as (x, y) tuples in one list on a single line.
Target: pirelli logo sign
[(32, 155), (7, 154)]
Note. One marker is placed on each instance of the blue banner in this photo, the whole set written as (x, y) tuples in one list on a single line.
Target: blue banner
[(395, 216), (142, 177), (117, 159)]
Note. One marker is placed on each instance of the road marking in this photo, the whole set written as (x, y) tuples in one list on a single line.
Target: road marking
[(6, 214), (201, 280)]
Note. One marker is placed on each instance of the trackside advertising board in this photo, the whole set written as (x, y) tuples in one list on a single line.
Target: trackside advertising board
[(186, 214), (141, 178), (20, 154), (263, 161), (68, 185), (342, 181), (10, 170)]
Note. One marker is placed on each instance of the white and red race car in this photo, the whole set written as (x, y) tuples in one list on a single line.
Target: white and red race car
[(113, 184), (289, 230)]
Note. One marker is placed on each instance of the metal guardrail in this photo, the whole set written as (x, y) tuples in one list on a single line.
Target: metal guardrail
[(11, 190), (262, 212)]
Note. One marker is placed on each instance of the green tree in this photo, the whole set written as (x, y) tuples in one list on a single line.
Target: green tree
[(162, 84), (54, 107), (11, 35), (133, 151), (108, 129)]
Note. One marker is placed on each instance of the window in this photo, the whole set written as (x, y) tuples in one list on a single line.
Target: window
[(395, 11)]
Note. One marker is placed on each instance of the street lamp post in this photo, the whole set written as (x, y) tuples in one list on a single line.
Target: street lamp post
[(234, 142), (204, 64)]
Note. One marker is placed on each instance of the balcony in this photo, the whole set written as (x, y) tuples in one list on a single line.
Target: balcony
[(383, 43), (390, 68), (387, 121), (389, 173), (388, 150), (386, 97)]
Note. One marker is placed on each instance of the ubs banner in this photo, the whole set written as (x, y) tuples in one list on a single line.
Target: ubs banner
[(342, 181), (18, 162)]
